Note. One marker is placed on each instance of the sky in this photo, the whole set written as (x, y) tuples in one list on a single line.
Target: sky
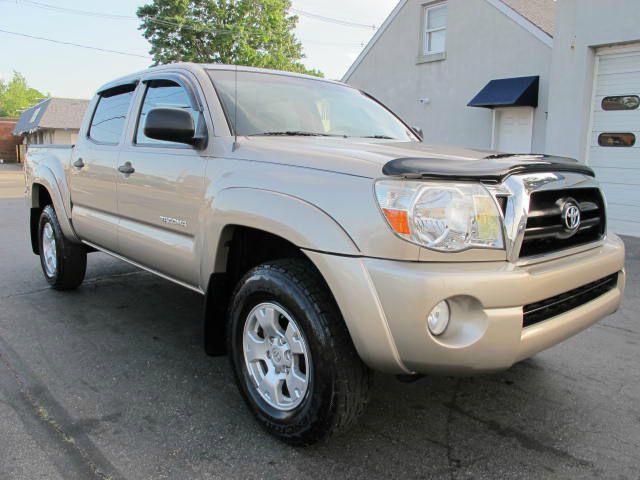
[(68, 71)]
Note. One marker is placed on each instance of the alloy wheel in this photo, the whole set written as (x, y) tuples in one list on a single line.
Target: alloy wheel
[(276, 356)]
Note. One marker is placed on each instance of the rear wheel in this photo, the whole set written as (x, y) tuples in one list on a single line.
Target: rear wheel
[(63, 263), (292, 355)]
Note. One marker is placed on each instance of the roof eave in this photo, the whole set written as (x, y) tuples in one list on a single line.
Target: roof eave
[(523, 21)]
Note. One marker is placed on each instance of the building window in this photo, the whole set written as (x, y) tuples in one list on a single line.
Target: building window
[(621, 102), (616, 139), (435, 32)]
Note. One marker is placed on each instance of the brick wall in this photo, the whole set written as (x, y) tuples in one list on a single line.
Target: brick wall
[(7, 141)]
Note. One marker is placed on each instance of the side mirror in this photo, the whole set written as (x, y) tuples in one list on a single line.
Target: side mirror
[(418, 131), (172, 125)]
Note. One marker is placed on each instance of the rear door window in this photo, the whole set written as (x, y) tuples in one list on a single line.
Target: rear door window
[(110, 115)]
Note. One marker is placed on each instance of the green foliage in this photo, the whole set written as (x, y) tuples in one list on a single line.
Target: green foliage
[(16, 96), (240, 32)]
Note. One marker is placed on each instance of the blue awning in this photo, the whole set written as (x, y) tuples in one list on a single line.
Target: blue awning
[(508, 92)]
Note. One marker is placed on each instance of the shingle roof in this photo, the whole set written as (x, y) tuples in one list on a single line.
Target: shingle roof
[(539, 12), (52, 113)]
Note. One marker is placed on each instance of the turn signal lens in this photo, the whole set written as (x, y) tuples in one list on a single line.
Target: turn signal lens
[(398, 220)]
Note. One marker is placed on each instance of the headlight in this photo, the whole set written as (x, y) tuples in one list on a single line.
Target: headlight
[(444, 216)]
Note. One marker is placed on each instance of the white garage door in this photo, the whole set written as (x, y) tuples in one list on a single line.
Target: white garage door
[(614, 151)]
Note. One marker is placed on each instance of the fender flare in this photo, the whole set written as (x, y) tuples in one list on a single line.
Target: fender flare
[(303, 224), (45, 178), (299, 222)]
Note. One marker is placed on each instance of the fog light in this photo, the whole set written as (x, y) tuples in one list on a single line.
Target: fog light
[(438, 319)]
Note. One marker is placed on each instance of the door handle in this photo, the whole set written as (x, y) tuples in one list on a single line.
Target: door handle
[(78, 163), (127, 168)]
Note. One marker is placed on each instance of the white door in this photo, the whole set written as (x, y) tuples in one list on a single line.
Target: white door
[(614, 141), (513, 129)]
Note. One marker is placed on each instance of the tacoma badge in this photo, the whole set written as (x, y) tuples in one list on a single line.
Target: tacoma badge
[(173, 221)]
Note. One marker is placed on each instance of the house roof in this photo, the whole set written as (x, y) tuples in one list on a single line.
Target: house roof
[(539, 12), (52, 113), (535, 16)]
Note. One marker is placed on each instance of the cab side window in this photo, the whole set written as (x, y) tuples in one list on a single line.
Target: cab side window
[(165, 94), (110, 115)]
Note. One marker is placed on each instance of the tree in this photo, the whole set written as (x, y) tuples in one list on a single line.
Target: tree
[(241, 32), (16, 95)]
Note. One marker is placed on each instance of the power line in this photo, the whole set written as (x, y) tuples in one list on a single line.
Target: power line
[(106, 50), (88, 47), (336, 21), (55, 8), (337, 44), (109, 16), (75, 11), (49, 6)]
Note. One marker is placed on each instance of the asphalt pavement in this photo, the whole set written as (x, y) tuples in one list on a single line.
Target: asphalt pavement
[(111, 381)]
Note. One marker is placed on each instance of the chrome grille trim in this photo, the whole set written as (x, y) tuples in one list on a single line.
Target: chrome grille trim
[(518, 190)]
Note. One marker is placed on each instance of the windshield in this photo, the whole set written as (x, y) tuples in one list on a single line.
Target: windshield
[(271, 104)]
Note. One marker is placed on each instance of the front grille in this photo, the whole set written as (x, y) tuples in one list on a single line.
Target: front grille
[(554, 306), (546, 231)]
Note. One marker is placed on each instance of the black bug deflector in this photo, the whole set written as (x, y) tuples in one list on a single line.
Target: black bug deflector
[(490, 169)]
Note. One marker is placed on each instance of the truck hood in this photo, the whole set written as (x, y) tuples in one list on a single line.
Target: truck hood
[(376, 158)]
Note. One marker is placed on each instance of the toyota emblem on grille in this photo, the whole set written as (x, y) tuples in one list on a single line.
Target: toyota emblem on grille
[(571, 216)]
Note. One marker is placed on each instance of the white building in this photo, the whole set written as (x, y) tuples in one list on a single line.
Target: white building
[(430, 60)]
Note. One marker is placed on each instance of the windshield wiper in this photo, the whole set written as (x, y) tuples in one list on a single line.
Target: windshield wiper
[(295, 133), (381, 137)]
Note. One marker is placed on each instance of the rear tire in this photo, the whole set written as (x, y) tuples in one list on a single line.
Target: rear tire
[(322, 385), (63, 263)]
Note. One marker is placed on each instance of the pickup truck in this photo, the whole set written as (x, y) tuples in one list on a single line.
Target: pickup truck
[(327, 239)]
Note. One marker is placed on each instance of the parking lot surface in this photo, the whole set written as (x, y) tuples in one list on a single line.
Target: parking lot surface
[(111, 381)]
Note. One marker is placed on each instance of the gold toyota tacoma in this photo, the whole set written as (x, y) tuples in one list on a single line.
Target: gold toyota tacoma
[(326, 238)]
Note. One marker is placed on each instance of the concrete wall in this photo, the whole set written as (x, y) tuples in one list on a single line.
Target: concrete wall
[(482, 44), (582, 26)]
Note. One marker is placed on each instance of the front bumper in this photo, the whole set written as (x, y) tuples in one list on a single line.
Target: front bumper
[(385, 304)]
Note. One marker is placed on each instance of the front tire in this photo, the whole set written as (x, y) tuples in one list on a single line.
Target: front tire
[(63, 263), (292, 355)]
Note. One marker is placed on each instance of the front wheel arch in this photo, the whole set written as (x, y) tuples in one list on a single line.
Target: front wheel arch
[(245, 248)]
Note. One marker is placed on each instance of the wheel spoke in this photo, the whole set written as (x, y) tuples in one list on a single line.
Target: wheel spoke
[(271, 388), (293, 338), (255, 348), (296, 384), (268, 319)]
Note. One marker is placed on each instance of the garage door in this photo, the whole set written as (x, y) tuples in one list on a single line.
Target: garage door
[(614, 150)]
